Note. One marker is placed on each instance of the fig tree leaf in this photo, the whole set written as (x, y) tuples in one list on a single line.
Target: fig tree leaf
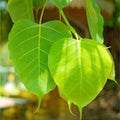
[(61, 3), (112, 76), (80, 69), (29, 45), (20, 9), (38, 4), (95, 21), (66, 99)]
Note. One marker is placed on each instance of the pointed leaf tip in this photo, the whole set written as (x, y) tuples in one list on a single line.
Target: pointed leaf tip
[(39, 102), (80, 109), (70, 109), (66, 99)]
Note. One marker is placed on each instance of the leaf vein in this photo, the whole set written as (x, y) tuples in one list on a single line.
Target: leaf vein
[(27, 53)]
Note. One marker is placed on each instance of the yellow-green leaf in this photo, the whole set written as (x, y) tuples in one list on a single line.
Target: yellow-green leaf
[(80, 69)]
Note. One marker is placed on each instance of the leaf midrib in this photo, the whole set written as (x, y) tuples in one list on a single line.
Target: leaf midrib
[(39, 51)]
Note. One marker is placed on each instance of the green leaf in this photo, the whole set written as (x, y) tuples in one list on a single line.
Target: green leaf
[(95, 21), (112, 75), (66, 99), (29, 52), (61, 3), (38, 4), (80, 69), (20, 9)]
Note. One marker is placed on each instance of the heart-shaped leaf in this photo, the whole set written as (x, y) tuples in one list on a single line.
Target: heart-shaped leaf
[(29, 47), (20, 9), (38, 4), (80, 69), (61, 3), (95, 21)]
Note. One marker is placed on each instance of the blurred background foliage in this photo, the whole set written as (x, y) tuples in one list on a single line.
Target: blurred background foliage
[(115, 20)]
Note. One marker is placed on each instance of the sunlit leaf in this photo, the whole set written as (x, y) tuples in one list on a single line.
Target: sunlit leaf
[(80, 69), (29, 52), (95, 21), (20, 9), (61, 3)]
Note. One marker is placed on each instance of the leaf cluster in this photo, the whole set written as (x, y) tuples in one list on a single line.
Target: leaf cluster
[(46, 55)]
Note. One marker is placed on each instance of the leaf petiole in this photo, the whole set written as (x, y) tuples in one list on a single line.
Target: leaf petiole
[(60, 15), (43, 12), (71, 28)]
